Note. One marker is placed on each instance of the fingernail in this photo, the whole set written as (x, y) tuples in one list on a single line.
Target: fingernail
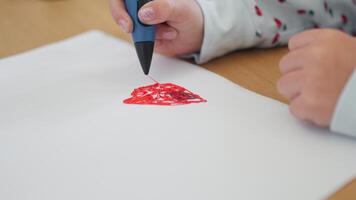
[(123, 25), (147, 14), (169, 35)]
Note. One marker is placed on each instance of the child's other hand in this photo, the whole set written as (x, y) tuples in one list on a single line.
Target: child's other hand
[(315, 72), (180, 24)]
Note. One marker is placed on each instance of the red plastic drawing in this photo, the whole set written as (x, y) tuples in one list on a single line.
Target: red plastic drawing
[(166, 94)]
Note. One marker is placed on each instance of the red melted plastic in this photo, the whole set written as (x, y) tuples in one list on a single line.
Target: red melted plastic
[(166, 94)]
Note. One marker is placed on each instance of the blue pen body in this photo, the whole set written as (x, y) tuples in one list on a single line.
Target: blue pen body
[(142, 35)]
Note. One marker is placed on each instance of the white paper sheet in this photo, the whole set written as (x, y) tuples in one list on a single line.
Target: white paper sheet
[(65, 134)]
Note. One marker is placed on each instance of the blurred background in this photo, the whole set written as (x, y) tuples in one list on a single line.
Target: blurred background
[(26, 24)]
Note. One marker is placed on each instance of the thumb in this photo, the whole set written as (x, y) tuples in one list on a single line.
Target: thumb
[(160, 11)]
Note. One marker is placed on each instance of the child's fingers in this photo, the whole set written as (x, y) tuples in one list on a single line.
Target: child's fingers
[(292, 61), (160, 11), (165, 32), (290, 85), (298, 109), (166, 47), (120, 15), (303, 39)]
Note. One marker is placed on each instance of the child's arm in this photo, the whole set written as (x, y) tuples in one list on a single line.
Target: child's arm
[(319, 78), (232, 24), (318, 73)]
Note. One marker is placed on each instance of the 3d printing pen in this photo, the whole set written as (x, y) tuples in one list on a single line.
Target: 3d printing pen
[(143, 35)]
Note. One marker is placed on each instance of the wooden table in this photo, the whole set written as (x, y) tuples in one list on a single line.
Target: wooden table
[(26, 24)]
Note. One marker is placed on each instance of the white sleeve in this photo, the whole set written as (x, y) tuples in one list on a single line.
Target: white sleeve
[(238, 24), (344, 119)]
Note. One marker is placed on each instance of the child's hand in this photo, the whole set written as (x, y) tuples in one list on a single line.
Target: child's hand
[(180, 24), (315, 72)]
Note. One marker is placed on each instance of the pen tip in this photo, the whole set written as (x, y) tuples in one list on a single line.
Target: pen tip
[(145, 51)]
